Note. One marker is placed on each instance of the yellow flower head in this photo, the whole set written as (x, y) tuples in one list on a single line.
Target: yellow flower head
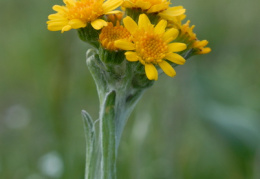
[(151, 6), (151, 46), (200, 47), (191, 38), (78, 13), (110, 34), (188, 31)]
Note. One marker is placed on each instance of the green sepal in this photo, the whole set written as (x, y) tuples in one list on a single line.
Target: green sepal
[(134, 13), (111, 57), (90, 35), (141, 81), (154, 18)]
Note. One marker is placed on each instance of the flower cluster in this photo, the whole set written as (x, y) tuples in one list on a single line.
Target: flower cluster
[(149, 32)]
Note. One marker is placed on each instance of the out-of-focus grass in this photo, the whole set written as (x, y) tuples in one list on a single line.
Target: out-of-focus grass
[(204, 123)]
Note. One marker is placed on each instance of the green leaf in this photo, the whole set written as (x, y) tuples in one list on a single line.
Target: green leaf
[(90, 139), (108, 136)]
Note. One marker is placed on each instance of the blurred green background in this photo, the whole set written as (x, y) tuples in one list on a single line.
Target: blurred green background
[(203, 124)]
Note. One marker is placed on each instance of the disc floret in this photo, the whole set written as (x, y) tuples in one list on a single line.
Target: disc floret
[(111, 33)]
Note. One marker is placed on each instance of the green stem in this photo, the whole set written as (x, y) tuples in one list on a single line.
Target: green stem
[(118, 91)]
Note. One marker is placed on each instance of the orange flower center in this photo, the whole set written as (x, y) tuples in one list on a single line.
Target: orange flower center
[(110, 34), (150, 47), (86, 10)]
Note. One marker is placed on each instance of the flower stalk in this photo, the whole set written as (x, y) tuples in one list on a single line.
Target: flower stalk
[(118, 93)]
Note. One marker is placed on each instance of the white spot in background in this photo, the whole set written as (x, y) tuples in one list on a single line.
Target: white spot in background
[(17, 117), (35, 176), (140, 127), (51, 165)]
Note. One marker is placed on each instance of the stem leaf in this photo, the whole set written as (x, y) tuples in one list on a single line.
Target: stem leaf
[(108, 137), (90, 138)]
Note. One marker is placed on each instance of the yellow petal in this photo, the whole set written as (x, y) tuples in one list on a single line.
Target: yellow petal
[(65, 28), (204, 50), (172, 12), (64, 22), (175, 58), (160, 27), (157, 8), (56, 26), (176, 47), (76, 23), (144, 22), (132, 56), (58, 23), (98, 24), (151, 71), (142, 4), (113, 12), (69, 2), (59, 9), (111, 5), (167, 68), (128, 4), (124, 45), (170, 35), (130, 24), (198, 44), (56, 17)]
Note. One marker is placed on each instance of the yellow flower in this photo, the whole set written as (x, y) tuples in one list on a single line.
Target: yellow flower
[(151, 46), (150, 5), (188, 31), (200, 48), (110, 34), (78, 13), (191, 38)]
